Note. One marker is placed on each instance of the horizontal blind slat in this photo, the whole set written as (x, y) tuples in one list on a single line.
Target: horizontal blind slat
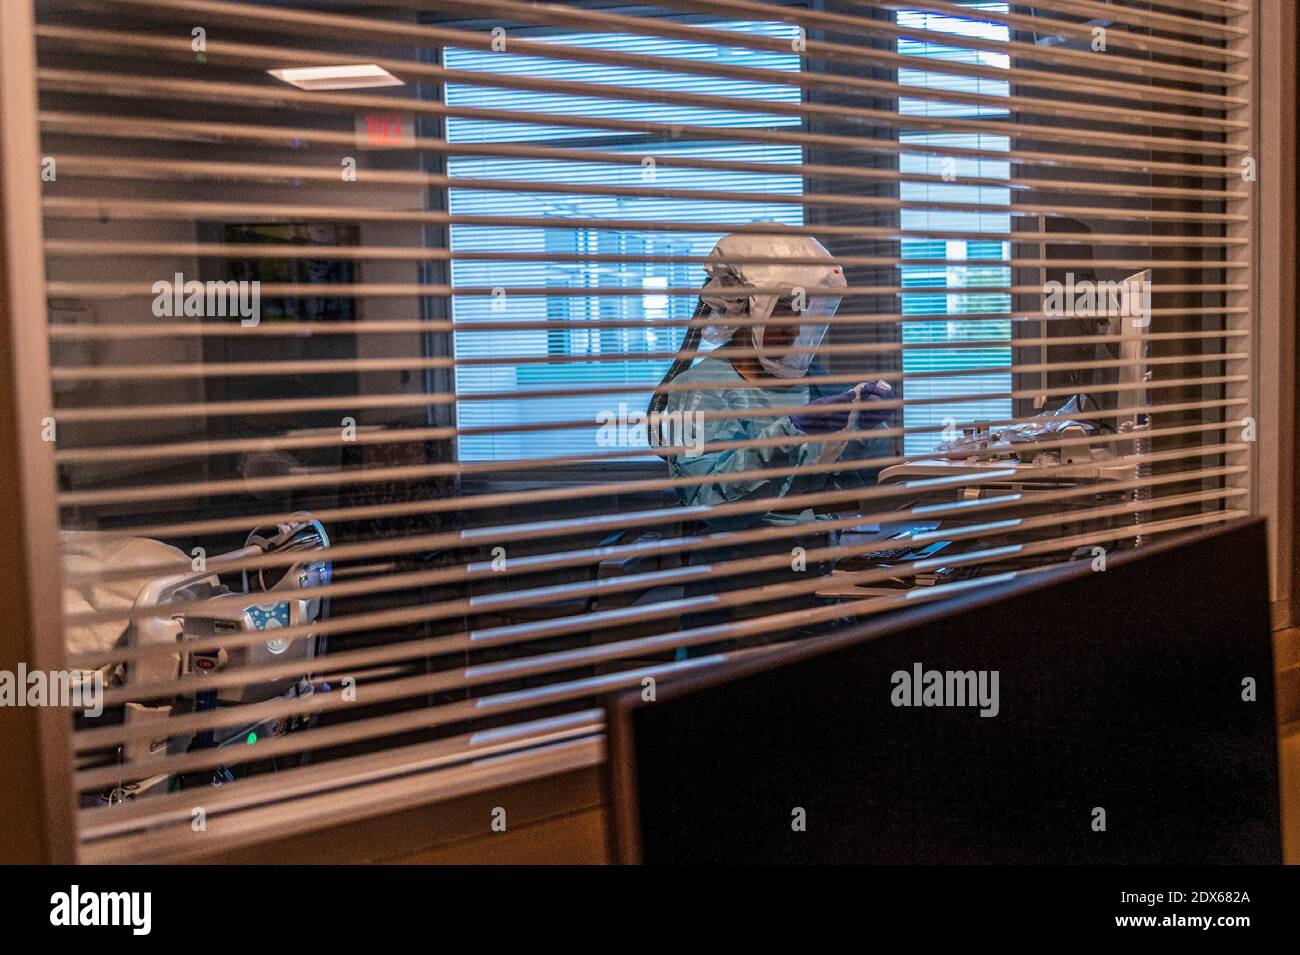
[(102, 84), (481, 537), (344, 662), (351, 26), (454, 712), (105, 126), (273, 55)]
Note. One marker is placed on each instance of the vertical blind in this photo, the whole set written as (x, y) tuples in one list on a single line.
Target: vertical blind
[(420, 454)]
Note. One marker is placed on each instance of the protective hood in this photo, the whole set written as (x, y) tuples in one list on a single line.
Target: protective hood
[(805, 273)]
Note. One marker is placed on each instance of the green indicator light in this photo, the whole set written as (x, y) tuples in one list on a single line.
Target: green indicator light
[(252, 738)]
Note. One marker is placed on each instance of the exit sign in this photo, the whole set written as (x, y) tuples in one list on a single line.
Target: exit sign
[(384, 130)]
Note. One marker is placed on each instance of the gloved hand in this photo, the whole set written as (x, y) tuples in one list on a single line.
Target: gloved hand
[(813, 421)]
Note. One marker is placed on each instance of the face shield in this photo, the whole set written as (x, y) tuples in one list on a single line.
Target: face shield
[(803, 283)]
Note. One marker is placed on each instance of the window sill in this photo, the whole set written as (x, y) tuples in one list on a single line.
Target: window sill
[(377, 820)]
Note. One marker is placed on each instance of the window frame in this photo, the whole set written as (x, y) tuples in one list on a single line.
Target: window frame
[(42, 811)]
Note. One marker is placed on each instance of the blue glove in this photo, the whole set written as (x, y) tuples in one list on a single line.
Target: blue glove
[(814, 421)]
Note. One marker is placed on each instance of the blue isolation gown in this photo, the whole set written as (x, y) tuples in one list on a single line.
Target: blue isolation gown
[(749, 423)]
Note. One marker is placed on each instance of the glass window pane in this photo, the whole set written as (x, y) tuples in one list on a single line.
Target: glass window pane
[(577, 352), (987, 366)]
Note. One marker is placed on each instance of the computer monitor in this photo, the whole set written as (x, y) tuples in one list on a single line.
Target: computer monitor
[(1130, 720)]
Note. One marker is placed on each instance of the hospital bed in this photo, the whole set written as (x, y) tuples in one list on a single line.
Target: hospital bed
[(207, 598)]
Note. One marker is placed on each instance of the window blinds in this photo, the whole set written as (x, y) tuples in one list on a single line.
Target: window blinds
[(368, 367)]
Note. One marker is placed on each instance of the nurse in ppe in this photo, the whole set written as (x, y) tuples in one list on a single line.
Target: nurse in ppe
[(759, 389)]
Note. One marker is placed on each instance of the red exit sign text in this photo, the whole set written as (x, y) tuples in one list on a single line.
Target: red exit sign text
[(383, 129)]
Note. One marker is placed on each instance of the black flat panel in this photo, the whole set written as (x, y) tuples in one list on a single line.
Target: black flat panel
[(1119, 690)]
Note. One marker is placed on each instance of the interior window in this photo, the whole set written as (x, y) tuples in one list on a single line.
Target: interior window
[(592, 326)]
